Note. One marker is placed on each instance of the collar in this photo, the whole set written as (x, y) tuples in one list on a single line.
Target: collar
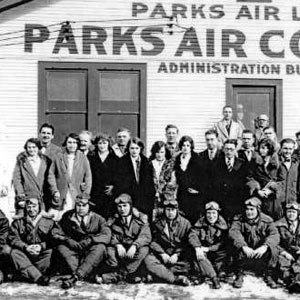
[(34, 221)]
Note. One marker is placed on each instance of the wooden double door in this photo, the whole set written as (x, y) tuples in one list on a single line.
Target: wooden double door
[(92, 96)]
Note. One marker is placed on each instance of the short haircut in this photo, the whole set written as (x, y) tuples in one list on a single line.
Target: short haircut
[(123, 129), (156, 147), (297, 134), (231, 141), (73, 136), (169, 126), (33, 141), (269, 144), (287, 140), (186, 138), (248, 131), (105, 137), (269, 127), (227, 106), (212, 131), (47, 125), (89, 133), (135, 140)]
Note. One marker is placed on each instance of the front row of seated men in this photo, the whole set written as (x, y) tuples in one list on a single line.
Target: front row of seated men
[(125, 248)]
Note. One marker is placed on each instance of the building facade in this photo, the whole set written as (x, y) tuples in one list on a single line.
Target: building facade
[(99, 65)]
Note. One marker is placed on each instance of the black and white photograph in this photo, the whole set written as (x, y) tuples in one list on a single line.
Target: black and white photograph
[(149, 150)]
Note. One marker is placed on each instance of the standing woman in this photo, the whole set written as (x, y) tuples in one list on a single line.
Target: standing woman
[(30, 174), (69, 175), (134, 177), (103, 162), (163, 173), (187, 171), (262, 179)]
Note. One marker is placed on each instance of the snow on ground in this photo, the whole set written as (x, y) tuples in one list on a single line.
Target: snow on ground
[(254, 288)]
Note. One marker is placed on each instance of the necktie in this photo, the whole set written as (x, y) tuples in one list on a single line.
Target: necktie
[(292, 227), (229, 165), (248, 154), (82, 225), (228, 128), (138, 166), (211, 154)]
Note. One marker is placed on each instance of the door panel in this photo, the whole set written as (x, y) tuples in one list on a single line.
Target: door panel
[(250, 102)]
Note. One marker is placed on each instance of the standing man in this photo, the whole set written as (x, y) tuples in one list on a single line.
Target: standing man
[(247, 152), (172, 132), (208, 158), (46, 136), (229, 175), (85, 138), (269, 133), (123, 137), (288, 172), (227, 128), (84, 236), (262, 122), (296, 153)]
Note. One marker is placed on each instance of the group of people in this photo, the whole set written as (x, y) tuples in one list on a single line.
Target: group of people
[(111, 214)]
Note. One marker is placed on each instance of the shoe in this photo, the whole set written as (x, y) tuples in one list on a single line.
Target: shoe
[(270, 282), (69, 283), (215, 283), (294, 287), (182, 280), (43, 280), (238, 282), (99, 279), (149, 278), (134, 279)]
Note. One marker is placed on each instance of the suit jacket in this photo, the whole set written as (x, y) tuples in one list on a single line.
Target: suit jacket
[(289, 182), (207, 179), (235, 131), (229, 187), (59, 179), (249, 164), (25, 181), (142, 192)]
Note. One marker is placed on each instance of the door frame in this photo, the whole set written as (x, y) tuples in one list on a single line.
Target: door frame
[(43, 66), (231, 83)]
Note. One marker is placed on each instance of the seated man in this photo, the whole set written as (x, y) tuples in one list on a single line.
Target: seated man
[(84, 236), (255, 239), (31, 240), (129, 246), (4, 248), (289, 247), (168, 260), (208, 238)]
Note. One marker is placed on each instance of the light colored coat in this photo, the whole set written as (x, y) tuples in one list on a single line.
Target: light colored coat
[(235, 131), (60, 181)]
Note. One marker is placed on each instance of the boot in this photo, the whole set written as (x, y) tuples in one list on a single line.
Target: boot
[(270, 282), (238, 282), (182, 280), (69, 283), (43, 280), (215, 283)]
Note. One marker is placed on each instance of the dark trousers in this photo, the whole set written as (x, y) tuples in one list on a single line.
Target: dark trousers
[(123, 266), (31, 267), (212, 264), (290, 266), (84, 262), (167, 273), (263, 265)]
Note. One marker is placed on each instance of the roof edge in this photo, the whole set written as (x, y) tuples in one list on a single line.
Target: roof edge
[(13, 4)]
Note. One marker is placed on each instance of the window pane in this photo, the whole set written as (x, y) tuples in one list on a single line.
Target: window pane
[(66, 86), (118, 86), (111, 122)]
